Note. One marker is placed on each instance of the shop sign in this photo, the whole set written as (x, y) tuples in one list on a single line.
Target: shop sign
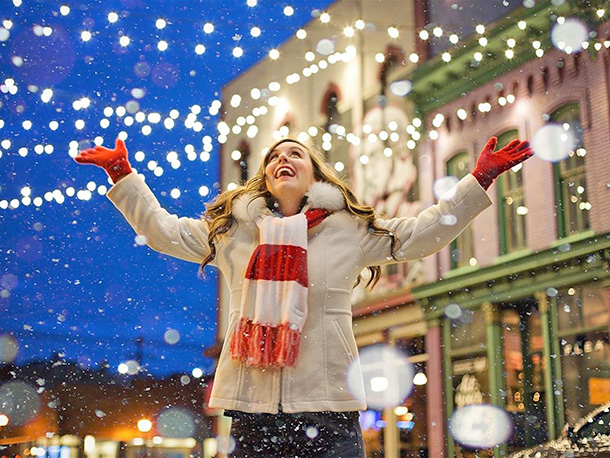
[(599, 391), (582, 348), (467, 366)]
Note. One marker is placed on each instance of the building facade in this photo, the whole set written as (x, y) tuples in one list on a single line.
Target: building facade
[(515, 313)]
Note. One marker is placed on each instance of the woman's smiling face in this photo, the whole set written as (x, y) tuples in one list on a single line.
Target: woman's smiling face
[(289, 170)]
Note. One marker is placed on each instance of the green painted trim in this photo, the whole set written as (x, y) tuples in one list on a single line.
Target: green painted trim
[(574, 238), (536, 262), (448, 375), (549, 398), (582, 330), (473, 350), (462, 74), (512, 256), (496, 368), (496, 374), (460, 271), (559, 204), (526, 287), (557, 369)]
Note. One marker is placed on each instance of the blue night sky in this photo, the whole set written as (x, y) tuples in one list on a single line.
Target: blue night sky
[(73, 279)]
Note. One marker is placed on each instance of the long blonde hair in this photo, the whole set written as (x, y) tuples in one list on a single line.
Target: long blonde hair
[(220, 220)]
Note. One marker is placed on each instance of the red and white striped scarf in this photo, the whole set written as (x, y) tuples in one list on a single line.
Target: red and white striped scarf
[(274, 296)]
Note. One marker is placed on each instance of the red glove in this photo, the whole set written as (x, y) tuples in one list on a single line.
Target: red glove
[(114, 161), (490, 164)]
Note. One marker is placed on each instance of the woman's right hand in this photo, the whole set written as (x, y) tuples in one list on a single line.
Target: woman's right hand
[(114, 161)]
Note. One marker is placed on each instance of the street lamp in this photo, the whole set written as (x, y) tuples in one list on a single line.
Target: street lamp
[(145, 425)]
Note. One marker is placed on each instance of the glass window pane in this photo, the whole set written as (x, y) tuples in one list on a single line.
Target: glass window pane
[(570, 173), (462, 248), (468, 330), (586, 372)]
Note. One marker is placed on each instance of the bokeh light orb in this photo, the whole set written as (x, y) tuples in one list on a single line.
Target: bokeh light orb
[(553, 142), (171, 336), (401, 87), (8, 349), (388, 376), (176, 422), (444, 185), (569, 35), (325, 47), (47, 60), (453, 311), (480, 426), (19, 402)]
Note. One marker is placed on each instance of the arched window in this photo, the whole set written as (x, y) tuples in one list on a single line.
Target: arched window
[(330, 108), (560, 70), (242, 162), (512, 209), (462, 248), (530, 85), (545, 78), (570, 181), (394, 58), (332, 112)]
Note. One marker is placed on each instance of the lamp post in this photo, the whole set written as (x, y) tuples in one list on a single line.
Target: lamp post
[(144, 426)]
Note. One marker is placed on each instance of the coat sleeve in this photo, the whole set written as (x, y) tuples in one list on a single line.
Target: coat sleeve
[(183, 238), (428, 232)]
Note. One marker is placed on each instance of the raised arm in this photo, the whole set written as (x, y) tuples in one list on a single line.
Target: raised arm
[(184, 238), (435, 227)]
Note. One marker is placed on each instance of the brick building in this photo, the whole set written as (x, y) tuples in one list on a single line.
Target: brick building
[(515, 312)]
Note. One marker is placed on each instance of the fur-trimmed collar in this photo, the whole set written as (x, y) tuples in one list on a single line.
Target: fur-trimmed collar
[(320, 195)]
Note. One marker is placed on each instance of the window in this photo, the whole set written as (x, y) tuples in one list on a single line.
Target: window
[(332, 113), (462, 248), (411, 418), (585, 348), (242, 162), (512, 209), (524, 365), (570, 181)]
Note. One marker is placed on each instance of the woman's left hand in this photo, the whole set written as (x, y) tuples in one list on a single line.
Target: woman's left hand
[(491, 164)]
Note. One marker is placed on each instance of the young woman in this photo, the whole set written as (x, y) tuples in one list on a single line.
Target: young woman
[(291, 244)]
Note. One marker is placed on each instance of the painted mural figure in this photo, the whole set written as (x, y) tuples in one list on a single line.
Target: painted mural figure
[(291, 244)]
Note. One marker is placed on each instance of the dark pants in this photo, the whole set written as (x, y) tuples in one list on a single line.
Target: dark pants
[(297, 435)]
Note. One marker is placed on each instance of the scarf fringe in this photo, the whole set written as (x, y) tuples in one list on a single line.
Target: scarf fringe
[(258, 345)]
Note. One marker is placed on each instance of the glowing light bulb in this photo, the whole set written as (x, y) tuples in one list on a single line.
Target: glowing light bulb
[(113, 17), (255, 32), (237, 51), (208, 27)]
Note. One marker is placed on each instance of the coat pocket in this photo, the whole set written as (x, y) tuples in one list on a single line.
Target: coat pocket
[(344, 340)]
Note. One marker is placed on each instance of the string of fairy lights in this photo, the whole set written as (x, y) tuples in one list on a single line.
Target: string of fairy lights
[(131, 116)]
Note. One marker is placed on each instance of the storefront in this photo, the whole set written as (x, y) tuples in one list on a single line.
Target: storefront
[(530, 336)]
